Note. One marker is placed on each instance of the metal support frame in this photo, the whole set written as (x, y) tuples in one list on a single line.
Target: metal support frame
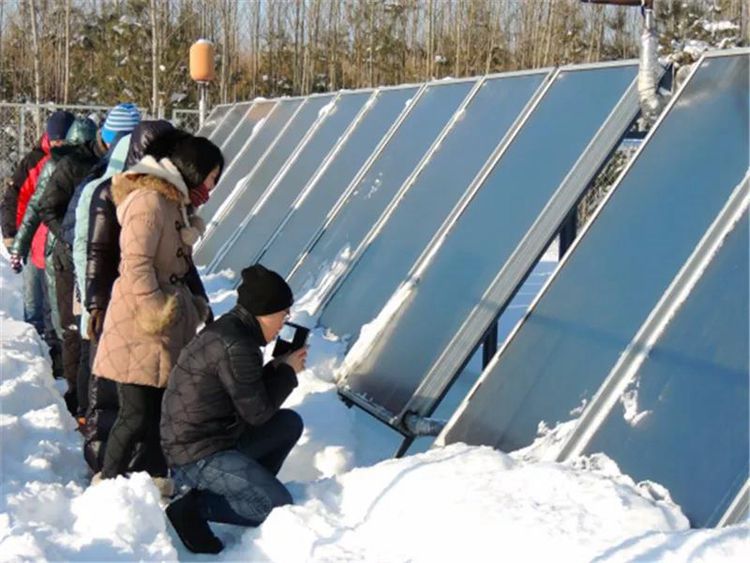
[(489, 344), (568, 232), (203, 92)]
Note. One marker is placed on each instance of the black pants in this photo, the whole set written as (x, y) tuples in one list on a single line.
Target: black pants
[(50, 336), (84, 376), (137, 421), (71, 336)]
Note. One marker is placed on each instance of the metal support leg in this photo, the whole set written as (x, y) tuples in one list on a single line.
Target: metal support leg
[(405, 445), (489, 344), (568, 232)]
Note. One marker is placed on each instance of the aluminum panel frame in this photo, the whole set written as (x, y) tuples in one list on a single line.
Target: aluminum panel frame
[(255, 117), (286, 110), (228, 124), (232, 175), (276, 162), (213, 120)]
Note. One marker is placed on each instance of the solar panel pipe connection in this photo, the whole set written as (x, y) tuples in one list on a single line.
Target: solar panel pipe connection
[(648, 70), (422, 426)]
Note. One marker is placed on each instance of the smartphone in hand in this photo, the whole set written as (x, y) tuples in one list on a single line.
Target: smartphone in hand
[(291, 337)]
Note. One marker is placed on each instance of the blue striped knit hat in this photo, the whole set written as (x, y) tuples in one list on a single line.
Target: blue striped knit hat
[(121, 118)]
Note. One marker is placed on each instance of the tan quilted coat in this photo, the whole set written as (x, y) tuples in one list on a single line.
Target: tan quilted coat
[(152, 315)]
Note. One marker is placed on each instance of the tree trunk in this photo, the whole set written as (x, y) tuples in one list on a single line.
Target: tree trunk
[(66, 71), (154, 60), (37, 63), (2, 59)]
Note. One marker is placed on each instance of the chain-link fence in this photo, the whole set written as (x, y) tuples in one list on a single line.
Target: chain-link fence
[(187, 119), (22, 125)]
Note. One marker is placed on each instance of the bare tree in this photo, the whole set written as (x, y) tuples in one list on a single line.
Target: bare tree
[(66, 72), (37, 63), (154, 58)]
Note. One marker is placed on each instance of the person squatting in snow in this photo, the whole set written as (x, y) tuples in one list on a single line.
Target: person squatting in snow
[(224, 434)]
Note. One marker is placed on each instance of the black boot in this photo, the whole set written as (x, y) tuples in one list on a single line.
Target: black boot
[(71, 401), (55, 354), (193, 529)]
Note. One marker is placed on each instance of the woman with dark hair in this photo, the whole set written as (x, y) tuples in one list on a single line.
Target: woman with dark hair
[(153, 314)]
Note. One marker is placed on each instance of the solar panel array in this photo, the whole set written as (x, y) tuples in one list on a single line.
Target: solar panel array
[(416, 212), (594, 315)]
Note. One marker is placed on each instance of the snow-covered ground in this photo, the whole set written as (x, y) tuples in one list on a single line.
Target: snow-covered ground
[(352, 502)]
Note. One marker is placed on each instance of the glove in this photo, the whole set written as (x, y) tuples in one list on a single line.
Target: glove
[(96, 324), (16, 262)]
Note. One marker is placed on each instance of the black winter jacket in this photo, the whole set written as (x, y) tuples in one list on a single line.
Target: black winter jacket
[(218, 387), (32, 218), (9, 205), (70, 171), (103, 248)]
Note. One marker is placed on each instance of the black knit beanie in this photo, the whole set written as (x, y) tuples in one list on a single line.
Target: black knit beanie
[(263, 292), (58, 124)]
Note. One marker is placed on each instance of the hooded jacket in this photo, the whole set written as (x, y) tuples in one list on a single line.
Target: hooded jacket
[(219, 387), (152, 314), (69, 173), (31, 223), (78, 133), (17, 196), (103, 247), (23, 184)]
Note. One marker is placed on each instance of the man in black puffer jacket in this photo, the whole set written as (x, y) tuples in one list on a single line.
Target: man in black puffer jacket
[(222, 429)]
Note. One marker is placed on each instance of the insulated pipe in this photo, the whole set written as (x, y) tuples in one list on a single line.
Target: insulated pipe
[(648, 71), (649, 67), (422, 426)]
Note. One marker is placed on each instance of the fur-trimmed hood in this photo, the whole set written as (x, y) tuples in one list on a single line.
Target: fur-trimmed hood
[(161, 176)]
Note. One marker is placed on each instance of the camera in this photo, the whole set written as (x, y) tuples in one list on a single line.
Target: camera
[(291, 337)]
